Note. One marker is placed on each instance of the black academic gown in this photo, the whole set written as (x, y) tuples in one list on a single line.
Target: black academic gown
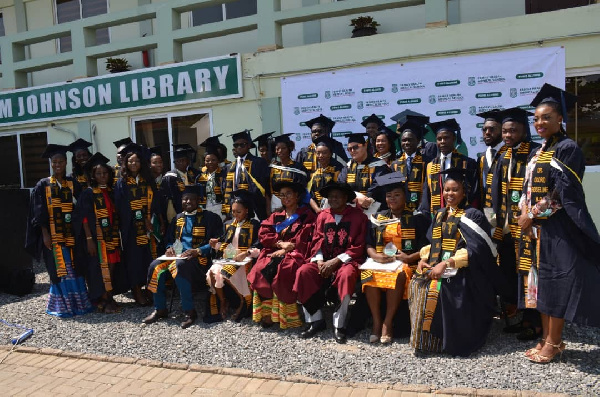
[(173, 182), (369, 188), (260, 172)]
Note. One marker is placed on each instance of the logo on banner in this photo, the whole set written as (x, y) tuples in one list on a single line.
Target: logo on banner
[(408, 101), (394, 88), (472, 110), (479, 125), (296, 110), (473, 141), (529, 91), (308, 96), (454, 97), (448, 112), (411, 86), (379, 103), (345, 119), (341, 107), (493, 79), (471, 81), (447, 83), (370, 90), (360, 105), (327, 94), (483, 95), (340, 134), (432, 99), (340, 93), (513, 93), (536, 75)]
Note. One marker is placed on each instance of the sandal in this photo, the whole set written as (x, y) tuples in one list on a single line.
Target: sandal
[(534, 350), (541, 359), (374, 338)]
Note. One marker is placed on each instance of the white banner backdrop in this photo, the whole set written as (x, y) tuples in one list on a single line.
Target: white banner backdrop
[(458, 87)]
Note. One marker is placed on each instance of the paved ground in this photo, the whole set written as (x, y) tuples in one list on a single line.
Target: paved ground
[(29, 371)]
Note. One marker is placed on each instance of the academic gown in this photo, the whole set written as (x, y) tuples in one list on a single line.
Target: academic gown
[(569, 244), (365, 183), (259, 173), (174, 185), (308, 158), (321, 177)]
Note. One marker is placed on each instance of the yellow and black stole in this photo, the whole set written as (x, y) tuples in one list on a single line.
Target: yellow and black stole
[(198, 233), (511, 191), (107, 232), (140, 200), (245, 241), (203, 179), (486, 186), (117, 169), (82, 180), (360, 176), (445, 236), (320, 178), (434, 180), (59, 202), (414, 179), (310, 162), (245, 179)]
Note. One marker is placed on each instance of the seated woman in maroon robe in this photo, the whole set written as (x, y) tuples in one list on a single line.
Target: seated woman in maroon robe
[(285, 237)]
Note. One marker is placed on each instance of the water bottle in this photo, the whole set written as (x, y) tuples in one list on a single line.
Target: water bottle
[(390, 249), (177, 247)]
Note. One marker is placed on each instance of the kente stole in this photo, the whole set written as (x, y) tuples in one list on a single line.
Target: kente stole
[(320, 178), (140, 199), (203, 179), (245, 240), (414, 180), (487, 186), (360, 176), (107, 232), (244, 184), (434, 179), (59, 202), (310, 162)]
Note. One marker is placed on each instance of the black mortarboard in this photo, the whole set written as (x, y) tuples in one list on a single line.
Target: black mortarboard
[(295, 186), (283, 138), (211, 140), (357, 137), (133, 148), (53, 149), (79, 144), (156, 150), (494, 115), (402, 116), (391, 181), (373, 119), (323, 120), (182, 150), (97, 158), (550, 93), (391, 134), (458, 174), (324, 140), (244, 196), (262, 140), (121, 142), (415, 127), (449, 125), (516, 114), (212, 149), (243, 135), (344, 187), (192, 189)]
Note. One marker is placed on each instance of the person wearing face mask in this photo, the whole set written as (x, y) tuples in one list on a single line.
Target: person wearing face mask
[(560, 242), (452, 299), (51, 236), (319, 126)]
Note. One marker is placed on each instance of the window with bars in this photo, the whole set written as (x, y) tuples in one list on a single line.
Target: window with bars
[(73, 10), (223, 12)]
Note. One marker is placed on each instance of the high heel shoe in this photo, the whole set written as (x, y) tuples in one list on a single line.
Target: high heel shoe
[(386, 339), (534, 350), (541, 359)]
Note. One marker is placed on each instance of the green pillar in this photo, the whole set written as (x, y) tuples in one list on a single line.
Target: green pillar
[(168, 51), (269, 32), (311, 30)]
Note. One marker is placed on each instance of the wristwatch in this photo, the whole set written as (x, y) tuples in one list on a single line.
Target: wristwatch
[(530, 215)]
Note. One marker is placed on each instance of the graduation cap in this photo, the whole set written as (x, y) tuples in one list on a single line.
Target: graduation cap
[(134, 148), (401, 117), (326, 141), (243, 135), (182, 150), (79, 144), (53, 149), (389, 133), (244, 197), (191, 189), (96, 159), (391, 181), (155, 150), (357, 137), (295, 186), (414, 126), (373, 119), (448, 125), (285, 138), (263, 139), (122, 142), (344, 187), (552, 94), (214, 150), (493, 115), (323, 120), (516, 114), (211, 140)]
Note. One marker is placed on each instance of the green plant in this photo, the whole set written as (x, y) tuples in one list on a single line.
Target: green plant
[(364, 22), (115, 65)]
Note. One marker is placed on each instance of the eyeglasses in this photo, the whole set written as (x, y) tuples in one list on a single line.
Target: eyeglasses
[(353, 148), (238, 145)]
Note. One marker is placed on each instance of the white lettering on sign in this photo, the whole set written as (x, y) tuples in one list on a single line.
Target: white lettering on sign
[(221, 73), (203, 80), (148, 88), (166, 85), (184, 84), (5, 108)]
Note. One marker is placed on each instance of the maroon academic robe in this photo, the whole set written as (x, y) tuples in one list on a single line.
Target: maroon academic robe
[(299, 233), (331, 239)]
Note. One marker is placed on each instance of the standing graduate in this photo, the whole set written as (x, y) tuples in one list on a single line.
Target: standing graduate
[(181, 176), (81, 155), (452, 298), (412, 161), (428, 149), (447, 133), (159, 220), (97, 229), (385, 145), (373, 125), (265, 146), (328, 170), (50, 235), (136, 201), (284, 169), (247, 172), (361, 172), (120, 144), (319, 126), (562, 246), (211, 180), (492, 137)]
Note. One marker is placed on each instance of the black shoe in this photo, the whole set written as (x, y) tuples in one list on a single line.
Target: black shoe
[(155, 316), (190, 318), (312, 329), (340, 335)]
